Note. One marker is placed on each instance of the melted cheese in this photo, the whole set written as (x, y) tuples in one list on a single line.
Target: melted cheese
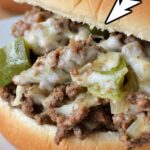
[(36, 94), (67, 109), (112, 43), (44, 36), (19, 95), (71, 59), (82, 34), (49, 70), (47, 36), (136, 58), (44, 75), (83, 100)]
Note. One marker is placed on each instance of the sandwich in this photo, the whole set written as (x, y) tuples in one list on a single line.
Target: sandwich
[(69, 81)]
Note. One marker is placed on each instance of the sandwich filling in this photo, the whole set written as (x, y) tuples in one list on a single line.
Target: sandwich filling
[(79, 79)]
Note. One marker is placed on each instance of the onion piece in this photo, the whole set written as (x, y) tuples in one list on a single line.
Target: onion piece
[(19, 94), (139, 126), (118, 107)]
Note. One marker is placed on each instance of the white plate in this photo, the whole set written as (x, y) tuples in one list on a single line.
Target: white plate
[(5, 38), (5, 30)]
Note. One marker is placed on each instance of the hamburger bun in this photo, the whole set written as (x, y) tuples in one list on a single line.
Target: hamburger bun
[(26, 134), (95, 12)]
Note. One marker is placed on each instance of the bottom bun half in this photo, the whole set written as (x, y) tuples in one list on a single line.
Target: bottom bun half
[(25, 134)]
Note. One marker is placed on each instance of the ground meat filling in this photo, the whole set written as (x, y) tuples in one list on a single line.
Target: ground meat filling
[(141, 100), (43, 118), (61, 94), (123, 121), (19, 28), (35, 15), (144, 138), (72, 90), (65, 125), (131, 143), (141, 103), (98, 119), (83, 121), (57, 97), (8, 92), (30, 108)]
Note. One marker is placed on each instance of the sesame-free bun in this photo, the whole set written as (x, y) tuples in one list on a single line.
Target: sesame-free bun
[(95, 12), (25, 134)]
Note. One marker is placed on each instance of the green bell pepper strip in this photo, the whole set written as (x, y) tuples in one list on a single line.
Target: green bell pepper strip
[(14, 58)]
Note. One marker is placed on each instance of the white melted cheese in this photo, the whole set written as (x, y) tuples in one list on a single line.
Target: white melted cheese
[(82, 100), (136, 58), (110, 60), (47, 36), (49, 70), (67, 109), (112, 43), (82, 34), (87, 100), (43, 75), (71, 59), (43, 36), (36, 94)]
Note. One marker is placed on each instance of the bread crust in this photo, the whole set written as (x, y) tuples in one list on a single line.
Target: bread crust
[(25, 134), (95, 12)]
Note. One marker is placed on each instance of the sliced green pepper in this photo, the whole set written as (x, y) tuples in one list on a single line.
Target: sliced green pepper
[(14, 58)]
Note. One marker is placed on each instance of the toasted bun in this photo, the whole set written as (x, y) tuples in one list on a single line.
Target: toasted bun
[(26, 134), (95, 12)]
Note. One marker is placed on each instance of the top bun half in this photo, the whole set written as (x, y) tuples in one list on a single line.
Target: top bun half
[(95, 12)]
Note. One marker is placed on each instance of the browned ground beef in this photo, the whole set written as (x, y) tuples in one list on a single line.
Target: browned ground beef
[(55, 116), (61, 94), (33, 16), (27, 107), (98, 119), (144, 138), (8, 92), (72, 90), (132, 143), (130, 39), (37, 15), (43, 118), (69, 122), (57, 97), (19, 28), (123, 121), (141, 100), (30, 108)]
